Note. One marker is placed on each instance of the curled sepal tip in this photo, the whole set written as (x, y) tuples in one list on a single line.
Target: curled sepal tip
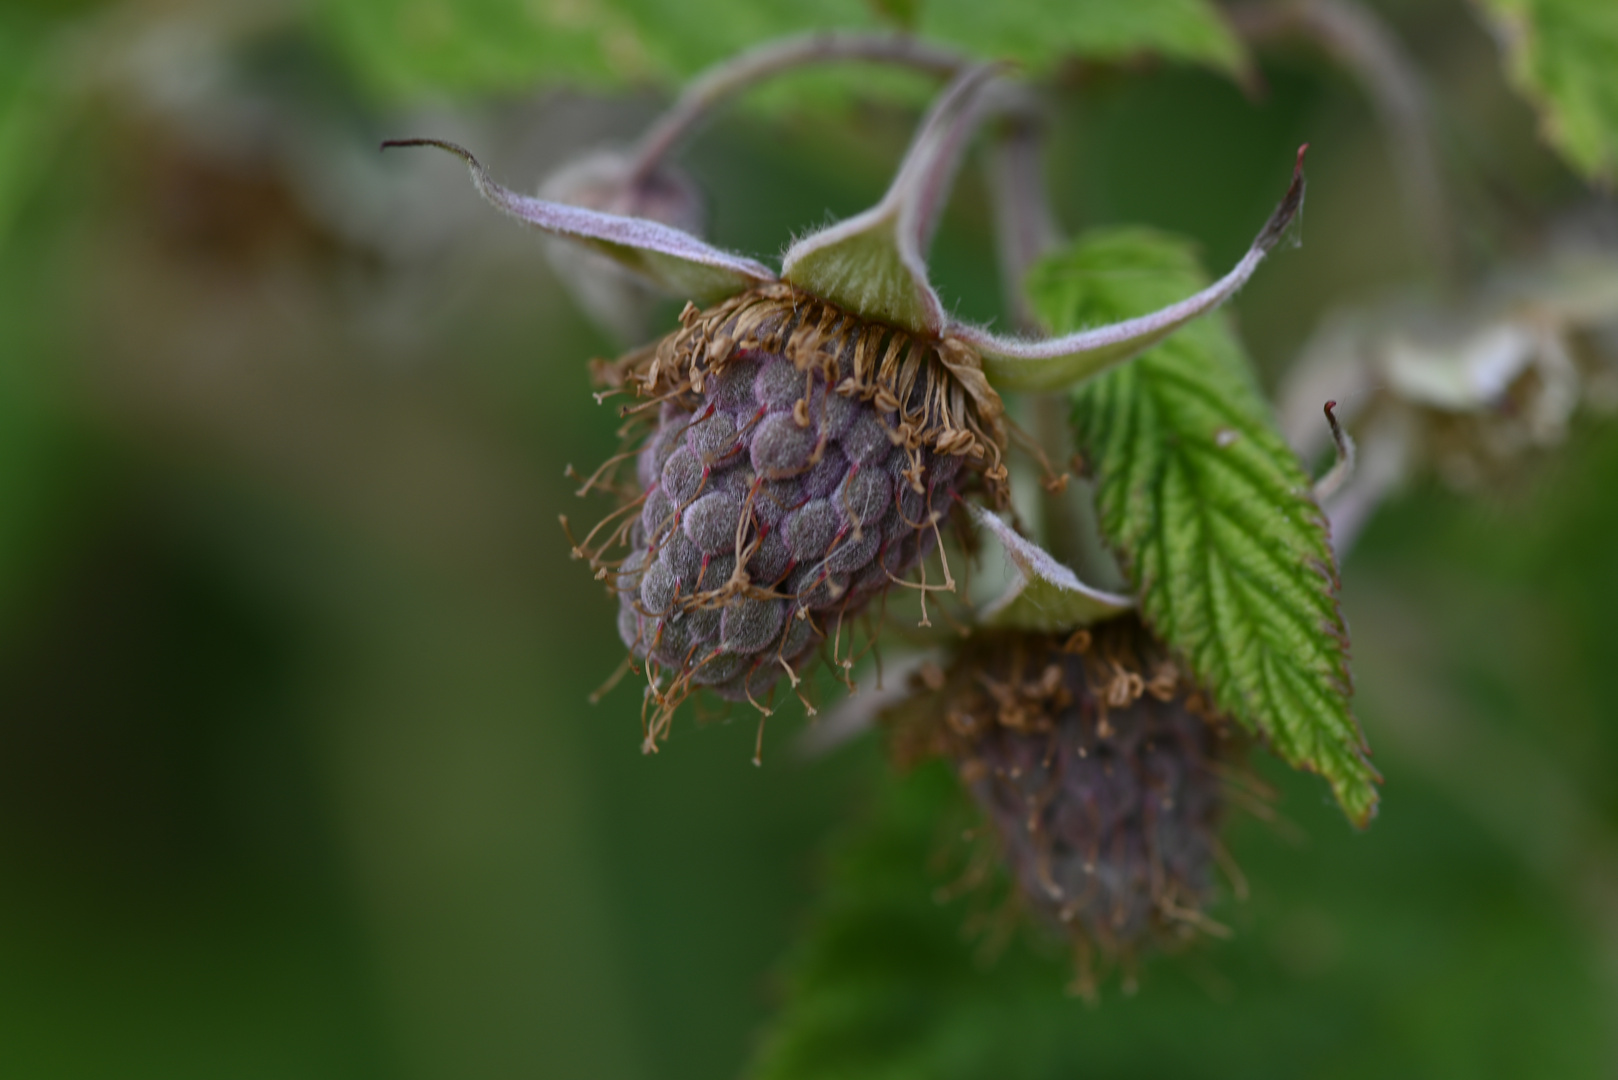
[(669, 257), (1045, 596), (1056, 363), (874, 263)]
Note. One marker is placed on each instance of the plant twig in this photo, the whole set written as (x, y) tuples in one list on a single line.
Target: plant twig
[(1026, 230), (1343, 469), (730, 77)]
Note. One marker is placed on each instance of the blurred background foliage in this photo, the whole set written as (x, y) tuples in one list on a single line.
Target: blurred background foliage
[(297, 773)]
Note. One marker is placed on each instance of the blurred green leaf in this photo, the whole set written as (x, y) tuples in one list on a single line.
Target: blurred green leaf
[(32, 439), (1041, 32), (402, 47), (902, 13), (1411, 952), (689, 37), (31, 114), (1212, 514), (1563, 54)]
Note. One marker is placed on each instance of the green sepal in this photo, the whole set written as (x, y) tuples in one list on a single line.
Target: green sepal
[(863, 268), (873, 265), (1090, 347), (1045, 596), (1563, 56), (672, 259)]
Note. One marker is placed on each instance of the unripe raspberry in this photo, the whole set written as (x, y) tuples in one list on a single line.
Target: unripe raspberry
[(1094, 763), (800, 463)]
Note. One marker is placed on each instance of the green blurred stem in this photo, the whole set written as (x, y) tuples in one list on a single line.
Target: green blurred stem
[(1026, 231), (730, 77)]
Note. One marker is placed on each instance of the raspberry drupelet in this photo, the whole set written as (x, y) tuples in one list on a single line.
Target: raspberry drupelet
[(800, 464)]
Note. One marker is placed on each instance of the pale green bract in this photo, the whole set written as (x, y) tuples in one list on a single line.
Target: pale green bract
[(1563, 54), (1212, 514)]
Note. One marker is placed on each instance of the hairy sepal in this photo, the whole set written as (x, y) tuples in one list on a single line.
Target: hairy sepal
[(1060, 362), (668, 257), (1211, 513), (1044, 595), (874, 264)]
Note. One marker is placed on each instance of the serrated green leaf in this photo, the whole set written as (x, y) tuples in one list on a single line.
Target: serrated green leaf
[(1210, 512), (1040, 32), (1563, 55)]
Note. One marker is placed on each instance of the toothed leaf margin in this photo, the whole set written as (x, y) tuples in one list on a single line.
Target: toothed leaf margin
[(1210, 512)]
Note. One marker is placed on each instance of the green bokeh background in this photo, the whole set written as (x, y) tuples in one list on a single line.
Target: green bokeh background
[(297, 773)]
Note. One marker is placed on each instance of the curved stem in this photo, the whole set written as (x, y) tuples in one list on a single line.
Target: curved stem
[(1357, 39), (730, 77), (1026, 230)]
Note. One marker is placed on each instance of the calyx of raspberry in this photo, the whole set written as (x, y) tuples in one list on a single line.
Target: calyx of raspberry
[(872, 266)]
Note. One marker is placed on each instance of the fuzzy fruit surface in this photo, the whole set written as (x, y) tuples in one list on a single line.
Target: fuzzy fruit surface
[(774, 509)]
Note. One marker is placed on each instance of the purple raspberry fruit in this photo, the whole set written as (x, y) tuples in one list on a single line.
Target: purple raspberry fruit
[(799, 463), (758, 472), (1092, 761)]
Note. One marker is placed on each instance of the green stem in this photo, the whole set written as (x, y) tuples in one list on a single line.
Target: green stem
[(1025, 231), (730, 77)]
